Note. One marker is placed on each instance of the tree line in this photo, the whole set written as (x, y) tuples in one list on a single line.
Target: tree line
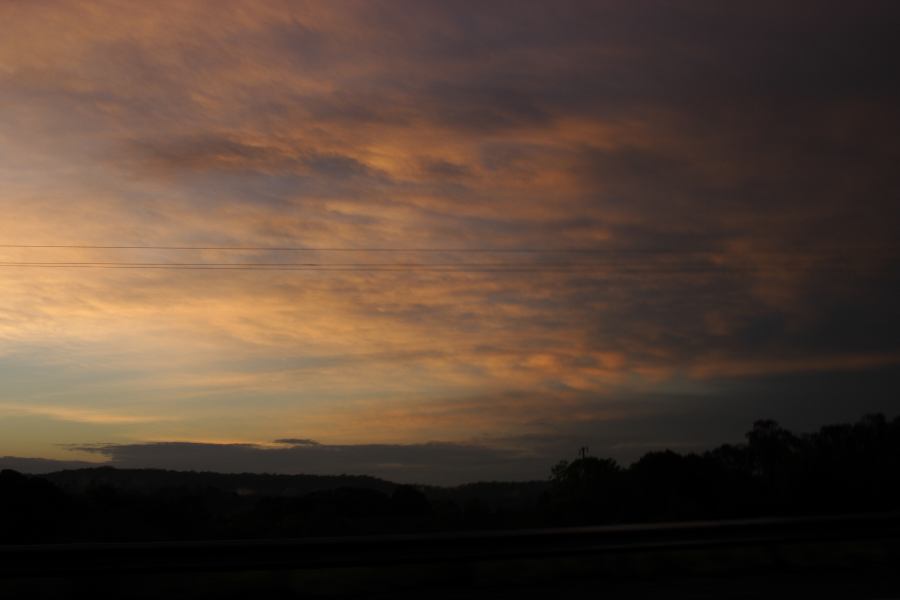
[(838, 469)]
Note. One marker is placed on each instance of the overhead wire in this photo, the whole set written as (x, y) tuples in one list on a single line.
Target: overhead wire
[(612, 261), (446, 267), (398, 249)]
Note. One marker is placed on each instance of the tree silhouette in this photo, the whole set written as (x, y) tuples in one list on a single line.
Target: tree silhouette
[(840, 468)]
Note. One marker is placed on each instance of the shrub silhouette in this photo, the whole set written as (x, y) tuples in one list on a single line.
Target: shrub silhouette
[(840, 468), (33, 509)]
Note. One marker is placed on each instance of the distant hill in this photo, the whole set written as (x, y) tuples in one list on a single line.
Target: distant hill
[(39, 466), (110, 504), (77, 476), (493, 494), (243, 484), (842, 468)]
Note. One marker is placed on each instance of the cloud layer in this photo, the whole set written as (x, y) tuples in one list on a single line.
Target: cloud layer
[(732, 170)]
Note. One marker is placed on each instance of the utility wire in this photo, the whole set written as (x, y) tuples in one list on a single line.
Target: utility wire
[(481, 250), (315, 249), (445, 267), (607, 261)]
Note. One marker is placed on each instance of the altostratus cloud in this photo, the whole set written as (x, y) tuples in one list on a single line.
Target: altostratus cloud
[(735, 166), (444, 463)]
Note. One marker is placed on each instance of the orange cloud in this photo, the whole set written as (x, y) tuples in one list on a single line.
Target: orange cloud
[(715, 220)]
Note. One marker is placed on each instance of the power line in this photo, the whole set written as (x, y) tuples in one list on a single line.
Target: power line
[(312, 249), (445, 267), (606, 262), (479, 250), (601, 261)]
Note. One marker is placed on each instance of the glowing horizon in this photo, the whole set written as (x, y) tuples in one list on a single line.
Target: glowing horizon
[(730, 175)]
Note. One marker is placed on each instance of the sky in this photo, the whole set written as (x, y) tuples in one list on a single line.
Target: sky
[(485, 234)]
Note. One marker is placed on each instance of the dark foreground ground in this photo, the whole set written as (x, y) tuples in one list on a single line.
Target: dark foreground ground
[(816, 559), (520, 579), (862, 584)]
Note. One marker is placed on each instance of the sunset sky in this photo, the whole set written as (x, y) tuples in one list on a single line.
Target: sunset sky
[(627, 225)]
